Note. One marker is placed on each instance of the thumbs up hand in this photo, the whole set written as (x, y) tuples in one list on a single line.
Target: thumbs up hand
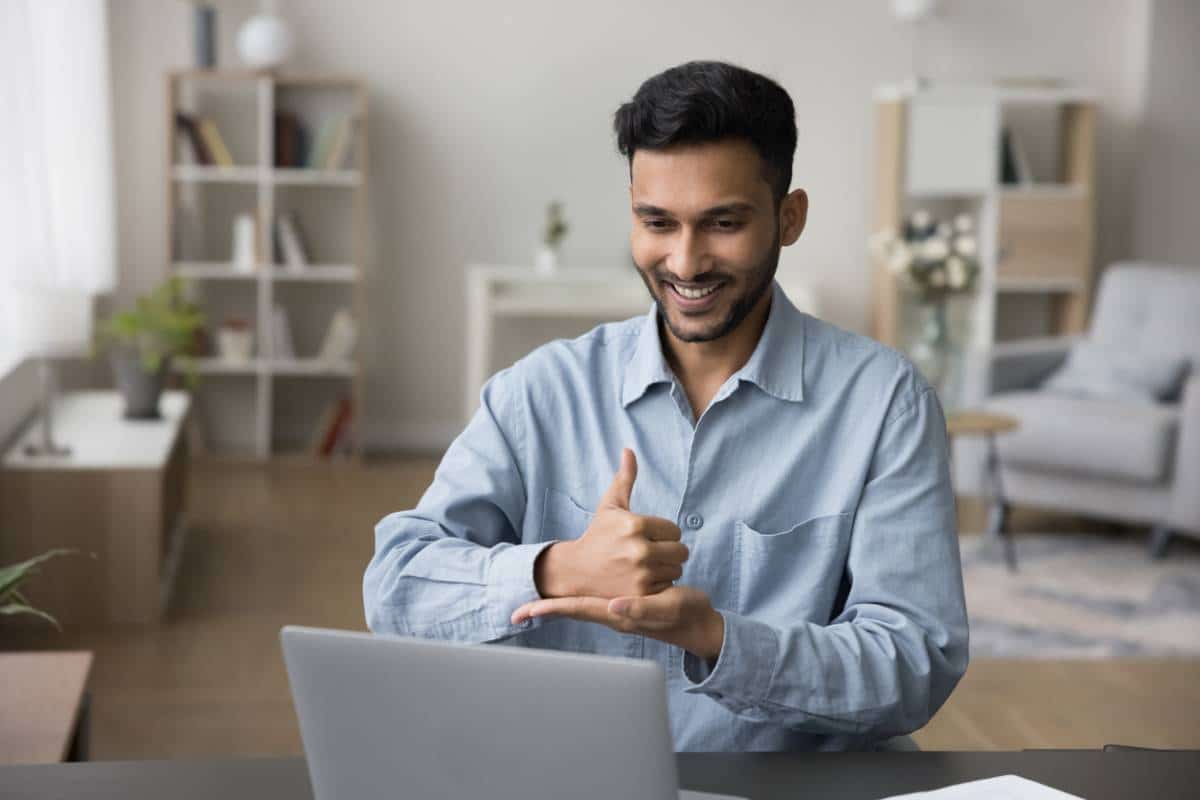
[(621, 554)]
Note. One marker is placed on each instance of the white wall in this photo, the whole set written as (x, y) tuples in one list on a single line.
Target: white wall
[(1168, 181), (482, 112)]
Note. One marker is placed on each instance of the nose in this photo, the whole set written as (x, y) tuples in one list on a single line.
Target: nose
[(687, 258)]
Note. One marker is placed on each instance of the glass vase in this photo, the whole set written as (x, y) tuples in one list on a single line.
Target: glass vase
[(937, 350)]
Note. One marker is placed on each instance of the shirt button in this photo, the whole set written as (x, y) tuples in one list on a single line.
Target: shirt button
[(693, 521)]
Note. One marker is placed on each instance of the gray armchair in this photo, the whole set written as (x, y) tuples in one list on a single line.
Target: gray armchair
[(1122, 460)]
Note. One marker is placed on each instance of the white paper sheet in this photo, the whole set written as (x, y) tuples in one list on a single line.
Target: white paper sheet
[(1004, 787)]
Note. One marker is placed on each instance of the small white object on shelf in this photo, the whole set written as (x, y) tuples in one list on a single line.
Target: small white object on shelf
[(235, 345), (339, 338), (547, 260), (243, 244), (281, 334), (294, 256), (264, 41)]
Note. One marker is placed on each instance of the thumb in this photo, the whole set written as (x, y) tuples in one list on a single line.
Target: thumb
[(621, 487)]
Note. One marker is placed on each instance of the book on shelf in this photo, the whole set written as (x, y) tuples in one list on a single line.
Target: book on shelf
[(334, 144), (213, 140), (290, 244), (289, 140), (187, 125), (340, 337), (1021, 160), (338, 156), (316, 154), (332, 427), (1014, 165), (281, 334)]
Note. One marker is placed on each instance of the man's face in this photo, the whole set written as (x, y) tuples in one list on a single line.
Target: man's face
[(705, 234)]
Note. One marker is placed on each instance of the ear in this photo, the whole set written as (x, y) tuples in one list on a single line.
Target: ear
[(793, 213)]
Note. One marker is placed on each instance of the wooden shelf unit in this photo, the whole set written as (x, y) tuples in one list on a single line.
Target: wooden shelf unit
[(265, 180), (942, 146)]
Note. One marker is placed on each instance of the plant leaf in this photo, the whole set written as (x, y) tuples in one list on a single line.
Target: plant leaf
[(22, 608), (12, 576)]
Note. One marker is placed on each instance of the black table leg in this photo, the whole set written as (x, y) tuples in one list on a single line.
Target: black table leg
[(998, 517)]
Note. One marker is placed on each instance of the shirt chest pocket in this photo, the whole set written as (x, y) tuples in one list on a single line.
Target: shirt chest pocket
[(562, 517), (792, 574)]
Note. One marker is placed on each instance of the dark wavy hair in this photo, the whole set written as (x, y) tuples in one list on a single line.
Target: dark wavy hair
[(705, 101)]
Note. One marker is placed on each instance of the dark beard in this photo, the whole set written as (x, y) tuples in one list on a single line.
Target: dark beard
[(760, 282)]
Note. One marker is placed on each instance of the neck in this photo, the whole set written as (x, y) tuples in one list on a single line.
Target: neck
[(711, 363)]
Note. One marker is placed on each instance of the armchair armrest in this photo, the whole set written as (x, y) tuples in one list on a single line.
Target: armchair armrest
[(1185, 488), (1012, 366)]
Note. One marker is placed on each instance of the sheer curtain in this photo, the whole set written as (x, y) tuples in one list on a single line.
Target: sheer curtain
[(57, 214)]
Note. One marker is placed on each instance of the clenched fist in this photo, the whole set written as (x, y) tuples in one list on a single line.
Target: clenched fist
[(621, 554)]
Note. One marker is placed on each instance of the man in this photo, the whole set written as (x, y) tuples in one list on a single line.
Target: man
[(779, 533)]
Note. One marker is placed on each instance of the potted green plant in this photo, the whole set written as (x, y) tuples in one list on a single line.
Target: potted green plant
[(142, 342), (548, 257), (11, 578)]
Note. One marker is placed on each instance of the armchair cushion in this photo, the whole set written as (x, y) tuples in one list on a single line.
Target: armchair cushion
[(1098, 370), (1088, 436)]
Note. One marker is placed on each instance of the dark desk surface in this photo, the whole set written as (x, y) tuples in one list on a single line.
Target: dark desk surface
[(1087, 773)]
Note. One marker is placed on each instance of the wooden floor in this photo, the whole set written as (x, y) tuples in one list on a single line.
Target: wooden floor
[(287, 543)]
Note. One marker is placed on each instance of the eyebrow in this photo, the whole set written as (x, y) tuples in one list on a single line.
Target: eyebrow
[(647, 210)]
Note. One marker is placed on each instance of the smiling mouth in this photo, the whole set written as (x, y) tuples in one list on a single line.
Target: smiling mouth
[(692, 295)]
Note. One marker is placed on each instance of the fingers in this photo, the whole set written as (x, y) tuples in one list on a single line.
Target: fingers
[(670, 553), (669, 573), (586, 609), (621, 488), (657, 529), (638, 609)]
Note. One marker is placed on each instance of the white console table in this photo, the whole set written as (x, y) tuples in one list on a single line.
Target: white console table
[(119, 493)]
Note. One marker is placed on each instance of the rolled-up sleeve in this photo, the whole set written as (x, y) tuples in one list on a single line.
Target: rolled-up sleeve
[(453, 567), (889, 660)]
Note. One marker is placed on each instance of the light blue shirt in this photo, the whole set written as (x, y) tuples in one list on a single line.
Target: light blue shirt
[(813, 493)]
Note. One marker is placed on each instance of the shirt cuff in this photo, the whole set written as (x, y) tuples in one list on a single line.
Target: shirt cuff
[(510, 585), (741, 677)]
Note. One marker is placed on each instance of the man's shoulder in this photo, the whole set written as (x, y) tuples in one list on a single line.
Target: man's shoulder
[(859, 364), (585, 361)]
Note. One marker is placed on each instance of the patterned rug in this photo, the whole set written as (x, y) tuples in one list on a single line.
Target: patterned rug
[(1082, 596)]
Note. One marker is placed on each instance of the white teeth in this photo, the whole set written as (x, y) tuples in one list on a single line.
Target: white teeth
[(694, 294)]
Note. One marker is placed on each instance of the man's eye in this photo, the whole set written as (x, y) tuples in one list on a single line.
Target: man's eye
[(726, 224), (655, 224)]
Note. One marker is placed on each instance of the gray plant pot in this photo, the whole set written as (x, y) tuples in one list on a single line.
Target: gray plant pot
[(140, 389)]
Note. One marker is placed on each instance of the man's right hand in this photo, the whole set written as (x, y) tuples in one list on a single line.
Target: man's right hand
[(621, 554)]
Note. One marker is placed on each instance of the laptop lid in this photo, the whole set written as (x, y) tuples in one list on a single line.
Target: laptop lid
[(387, 716)]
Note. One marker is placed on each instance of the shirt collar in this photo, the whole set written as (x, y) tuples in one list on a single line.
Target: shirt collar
[(776, 366)]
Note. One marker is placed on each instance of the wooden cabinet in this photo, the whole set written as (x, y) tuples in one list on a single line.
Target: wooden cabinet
[(1043, 236), (119, 498)]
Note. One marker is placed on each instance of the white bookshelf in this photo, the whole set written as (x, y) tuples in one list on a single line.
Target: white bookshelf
[(256, 187)]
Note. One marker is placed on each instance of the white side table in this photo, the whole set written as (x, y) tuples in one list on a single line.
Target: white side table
[(120, 493)]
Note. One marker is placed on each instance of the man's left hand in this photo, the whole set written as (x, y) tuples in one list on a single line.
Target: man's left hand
[(679, 615)]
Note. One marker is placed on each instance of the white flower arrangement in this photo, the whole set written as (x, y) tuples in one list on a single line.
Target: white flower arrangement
[(938, 258)]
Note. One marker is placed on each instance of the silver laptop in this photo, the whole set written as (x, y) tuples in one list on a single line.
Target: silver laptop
[(393, 717)]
